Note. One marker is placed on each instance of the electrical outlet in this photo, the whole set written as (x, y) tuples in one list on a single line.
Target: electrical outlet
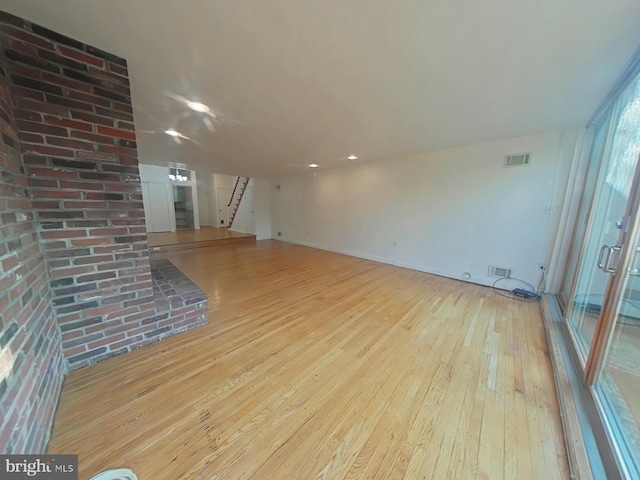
[(395, 243), (279, 234)]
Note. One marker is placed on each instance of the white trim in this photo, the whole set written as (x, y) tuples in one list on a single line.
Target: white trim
[(194, 199), (172, 210)]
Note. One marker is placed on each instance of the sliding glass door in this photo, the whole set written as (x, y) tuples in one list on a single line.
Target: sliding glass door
[(608, 219), (598, 254), (614, 362), (603, 308), (615, 371)]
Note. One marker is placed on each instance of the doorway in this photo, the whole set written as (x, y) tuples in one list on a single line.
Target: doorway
[(183, 207)]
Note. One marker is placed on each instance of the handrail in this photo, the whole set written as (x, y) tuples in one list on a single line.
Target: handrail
[(234, 192), (236, 201)]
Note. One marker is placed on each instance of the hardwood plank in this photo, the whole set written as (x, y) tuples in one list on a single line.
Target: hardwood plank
[(318, 365)]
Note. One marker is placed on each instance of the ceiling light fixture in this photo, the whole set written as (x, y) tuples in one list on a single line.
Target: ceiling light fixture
[(313, 165), (172, 133), (178, 178), (198, 107), (352, 157)]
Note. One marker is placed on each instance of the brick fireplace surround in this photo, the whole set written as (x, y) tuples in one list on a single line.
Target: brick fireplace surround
[(76, 282)]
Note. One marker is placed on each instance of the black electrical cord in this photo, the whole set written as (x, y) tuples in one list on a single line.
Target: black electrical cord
[(541, 283), (512, 296)]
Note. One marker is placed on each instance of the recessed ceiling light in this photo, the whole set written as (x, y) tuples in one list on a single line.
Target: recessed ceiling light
[(171, 132), (198, 107), (352, 157), (313, 165)]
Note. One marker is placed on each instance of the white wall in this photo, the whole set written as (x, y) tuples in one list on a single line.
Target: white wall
[(262, 208), (206, 207), (213, 201), (450, 212), (153, 174)]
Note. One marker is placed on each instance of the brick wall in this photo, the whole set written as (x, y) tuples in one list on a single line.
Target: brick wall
[(32, 367), (75, 120), (75, 278)]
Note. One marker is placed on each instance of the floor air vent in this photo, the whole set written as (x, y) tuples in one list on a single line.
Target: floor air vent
[(499, 272), (120, 474), (517, 160)]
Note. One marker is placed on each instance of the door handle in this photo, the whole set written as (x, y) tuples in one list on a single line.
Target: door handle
[(608, 267), (604, 249), (605, 264)]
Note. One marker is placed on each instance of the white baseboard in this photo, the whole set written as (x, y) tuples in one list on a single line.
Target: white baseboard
[(486, 281)]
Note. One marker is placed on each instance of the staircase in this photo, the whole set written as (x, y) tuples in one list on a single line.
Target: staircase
[(236, 197)]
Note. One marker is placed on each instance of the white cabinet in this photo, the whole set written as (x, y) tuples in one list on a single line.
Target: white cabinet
[(157, 207)]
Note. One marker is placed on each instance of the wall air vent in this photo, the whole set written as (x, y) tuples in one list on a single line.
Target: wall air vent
[(499, 272), (517, 160)]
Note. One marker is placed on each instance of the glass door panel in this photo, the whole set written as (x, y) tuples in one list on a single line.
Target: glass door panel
[(584, 213), (619, 387), (608, 222), (616, 363), (606, 217)]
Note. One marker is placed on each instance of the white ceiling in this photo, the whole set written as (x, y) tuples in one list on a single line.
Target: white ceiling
[(302, 81)]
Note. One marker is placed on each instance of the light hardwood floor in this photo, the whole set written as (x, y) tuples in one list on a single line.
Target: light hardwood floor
[(318, 365)]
